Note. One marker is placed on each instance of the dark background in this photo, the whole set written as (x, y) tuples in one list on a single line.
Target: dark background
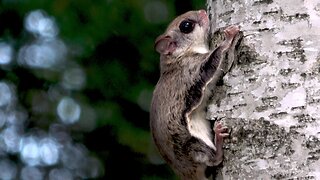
[(112, 42)]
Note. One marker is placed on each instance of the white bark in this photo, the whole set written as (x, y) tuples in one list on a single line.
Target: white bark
[(271, 98)]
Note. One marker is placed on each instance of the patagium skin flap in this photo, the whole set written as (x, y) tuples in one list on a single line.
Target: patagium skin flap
[(188, 67)]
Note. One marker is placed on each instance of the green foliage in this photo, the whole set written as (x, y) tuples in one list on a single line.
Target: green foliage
[(112, 40)]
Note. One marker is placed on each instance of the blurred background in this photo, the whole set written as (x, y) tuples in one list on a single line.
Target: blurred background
[(76, 80)]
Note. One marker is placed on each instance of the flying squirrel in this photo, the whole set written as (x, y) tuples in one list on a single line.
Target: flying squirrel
[(181, 132)]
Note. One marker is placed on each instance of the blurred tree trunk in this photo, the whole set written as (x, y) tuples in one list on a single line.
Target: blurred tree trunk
[(271, 98)]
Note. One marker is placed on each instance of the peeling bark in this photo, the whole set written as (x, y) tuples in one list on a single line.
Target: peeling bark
[(271, 97)]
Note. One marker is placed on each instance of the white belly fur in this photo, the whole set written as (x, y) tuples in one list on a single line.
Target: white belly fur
[(198, 125)]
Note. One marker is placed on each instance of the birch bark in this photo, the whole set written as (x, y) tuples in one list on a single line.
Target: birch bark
[(271, 98)]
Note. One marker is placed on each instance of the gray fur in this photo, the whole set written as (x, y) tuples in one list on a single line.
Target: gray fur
[(180, 96)]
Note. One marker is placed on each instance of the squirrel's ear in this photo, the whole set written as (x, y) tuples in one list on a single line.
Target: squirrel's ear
[(165, 45)]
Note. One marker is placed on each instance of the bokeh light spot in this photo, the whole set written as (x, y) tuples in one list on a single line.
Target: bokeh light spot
[(31, 173), (68, 110), (73, 156), (30, 151), (58, 174), (6, 94), (6, 53), (144, 99), (92, 168), (42, 54), (73, 79), (8, 169), (3, 118), (11, 138), (59, 133), (16, 118), (156, 11), (38, 23), (49, 151)]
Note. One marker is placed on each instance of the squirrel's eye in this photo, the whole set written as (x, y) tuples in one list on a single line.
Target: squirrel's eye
[(186, 26)]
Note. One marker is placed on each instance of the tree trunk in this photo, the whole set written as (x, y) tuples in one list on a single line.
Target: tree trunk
[(271, 97)]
